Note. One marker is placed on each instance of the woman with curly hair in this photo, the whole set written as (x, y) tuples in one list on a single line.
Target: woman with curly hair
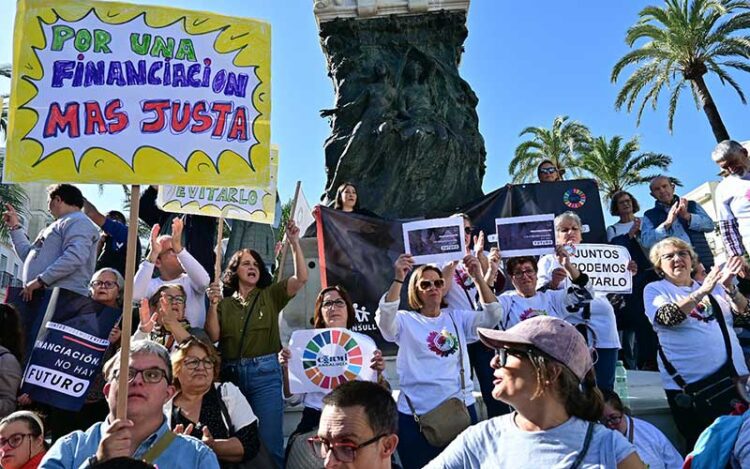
[(246, 324)]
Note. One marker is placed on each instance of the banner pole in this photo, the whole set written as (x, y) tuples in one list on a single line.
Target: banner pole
[(127, 305), (284, 243), (219, 239)]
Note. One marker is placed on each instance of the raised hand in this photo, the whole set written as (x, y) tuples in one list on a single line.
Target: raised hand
[(377, 363), (180, 429), (682, 208), (562, 254), (473, 267), (147, 319), (402, 266), (177, 226), (155, 245), (214, 292), (10, 217), (632, 267), (292, 231), (711, 280), (672, 215), (558, 277), (207, 439), (734, 266), (635, 229), (479, 242)]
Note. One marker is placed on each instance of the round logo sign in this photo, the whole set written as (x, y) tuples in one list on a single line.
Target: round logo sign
[(332, 358), (574, 198)]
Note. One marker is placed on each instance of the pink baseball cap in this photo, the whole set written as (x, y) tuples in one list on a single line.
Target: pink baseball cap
[(555, 337)]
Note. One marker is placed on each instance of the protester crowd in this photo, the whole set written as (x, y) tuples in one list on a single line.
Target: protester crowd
[(208, 376)]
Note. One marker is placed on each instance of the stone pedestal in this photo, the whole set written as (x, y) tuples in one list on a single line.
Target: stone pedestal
[(404, 128)]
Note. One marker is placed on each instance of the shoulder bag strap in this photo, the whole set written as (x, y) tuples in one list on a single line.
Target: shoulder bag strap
[(460, 356), (631, 429), (585, 449), (244, 327), (721, 320), (224, 411), (413, 410), (161, 444)]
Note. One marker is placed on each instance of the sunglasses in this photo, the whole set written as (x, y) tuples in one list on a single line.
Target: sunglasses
[(343, 452), (547, 170), (503, 353), (425, 285), (612, 420), (175, 299), (468, 230)]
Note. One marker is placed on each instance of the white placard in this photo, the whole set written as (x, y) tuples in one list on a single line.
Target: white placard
[(529, 235), (606, 265), (435, 241), (322, 359)]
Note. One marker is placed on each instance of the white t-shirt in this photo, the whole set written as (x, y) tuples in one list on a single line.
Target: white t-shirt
[(428, 358), (733, 202), (695, 347), (602, 320), (498, 443), (517, 308), (618, 229), (195, 281), (654, 449), (463, 293)]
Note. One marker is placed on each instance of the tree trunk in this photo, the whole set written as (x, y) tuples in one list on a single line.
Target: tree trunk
[(709, 107)]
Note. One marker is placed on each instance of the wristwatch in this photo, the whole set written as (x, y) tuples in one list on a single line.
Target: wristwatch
[(732, 292), (41, 282)]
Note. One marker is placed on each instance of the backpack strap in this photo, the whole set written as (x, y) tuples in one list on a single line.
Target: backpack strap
[(161, 444), (224, 410), (585, 449)]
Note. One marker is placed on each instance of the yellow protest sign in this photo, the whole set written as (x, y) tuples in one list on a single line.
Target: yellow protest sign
[(106, 92), (255, 204)]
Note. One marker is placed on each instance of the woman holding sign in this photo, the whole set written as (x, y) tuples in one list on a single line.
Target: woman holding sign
[(246, 324), (699, 353), (333, 308), (436, 401), (597, 312)]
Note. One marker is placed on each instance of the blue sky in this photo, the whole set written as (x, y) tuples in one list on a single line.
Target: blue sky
[(527, 64)]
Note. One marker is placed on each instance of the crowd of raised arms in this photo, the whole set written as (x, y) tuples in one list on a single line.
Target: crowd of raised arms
[(208, 374)]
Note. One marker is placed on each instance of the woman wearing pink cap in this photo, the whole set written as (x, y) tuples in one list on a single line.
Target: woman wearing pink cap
[(543, 369)]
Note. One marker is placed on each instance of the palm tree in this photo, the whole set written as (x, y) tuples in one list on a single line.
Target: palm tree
[(617, 166), (561, 144), (686, 39), (5, 71)]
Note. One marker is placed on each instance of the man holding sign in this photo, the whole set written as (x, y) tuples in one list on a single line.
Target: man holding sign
[(144, 434)]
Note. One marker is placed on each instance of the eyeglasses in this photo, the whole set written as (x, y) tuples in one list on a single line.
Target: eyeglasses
[(624, 201), (550, 170), (175, 299), (194, 363), (468, 230), (15, 440), (612, 420), (150, 375), (683, 254), (425, 285), (503, 353), (527, 273), (343, 452), (103, 283), (568, 229), (328, 304)]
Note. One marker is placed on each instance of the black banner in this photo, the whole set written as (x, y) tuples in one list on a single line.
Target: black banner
[(68, 336), (358, 252)]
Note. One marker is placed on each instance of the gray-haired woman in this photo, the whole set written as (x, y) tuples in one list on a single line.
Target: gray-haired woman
[(597, 313)]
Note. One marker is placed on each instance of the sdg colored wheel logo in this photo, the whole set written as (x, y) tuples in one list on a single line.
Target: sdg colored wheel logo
[(332, 358), (574, 198)]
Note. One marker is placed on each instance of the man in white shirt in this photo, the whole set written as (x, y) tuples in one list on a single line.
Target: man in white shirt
[(175, 265), (733, 196)]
